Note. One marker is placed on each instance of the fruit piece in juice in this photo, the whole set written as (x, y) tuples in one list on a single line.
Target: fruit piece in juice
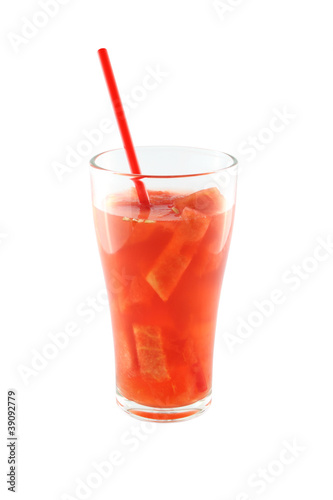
[(208, 201), (150, 352), (126, 358), (173, 261), (213, 254)]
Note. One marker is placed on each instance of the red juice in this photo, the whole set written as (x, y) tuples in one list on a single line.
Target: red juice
[(163, 269)]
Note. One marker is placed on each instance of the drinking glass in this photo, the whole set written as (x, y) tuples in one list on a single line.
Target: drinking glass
[(163, 266)]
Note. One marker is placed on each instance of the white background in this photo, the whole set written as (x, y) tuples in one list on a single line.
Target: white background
[(227, 75)]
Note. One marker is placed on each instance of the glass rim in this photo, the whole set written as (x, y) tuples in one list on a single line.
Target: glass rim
[(215, 153)]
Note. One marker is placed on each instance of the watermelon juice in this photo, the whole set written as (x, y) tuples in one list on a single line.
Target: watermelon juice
[(163, 268)]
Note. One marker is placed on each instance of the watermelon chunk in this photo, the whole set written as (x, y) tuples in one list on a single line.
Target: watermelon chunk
[(126, 355), (150, 352), (127, 361), (167, 271), (208, 201), (173, 261)]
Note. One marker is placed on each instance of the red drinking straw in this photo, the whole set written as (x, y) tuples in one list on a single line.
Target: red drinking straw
[(122, 124)]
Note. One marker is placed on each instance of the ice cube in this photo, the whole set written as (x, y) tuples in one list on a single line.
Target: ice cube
[(150, 352)]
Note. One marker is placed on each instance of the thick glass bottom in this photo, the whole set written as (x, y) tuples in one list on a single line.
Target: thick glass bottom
[(154, 414)]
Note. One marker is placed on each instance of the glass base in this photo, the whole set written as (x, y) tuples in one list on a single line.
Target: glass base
[(154, 414)]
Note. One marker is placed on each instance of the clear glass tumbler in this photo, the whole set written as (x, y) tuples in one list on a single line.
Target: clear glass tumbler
[(163, 268)]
